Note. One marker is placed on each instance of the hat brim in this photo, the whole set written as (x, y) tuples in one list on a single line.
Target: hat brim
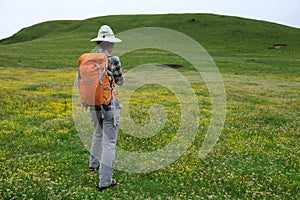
[(112, 39)]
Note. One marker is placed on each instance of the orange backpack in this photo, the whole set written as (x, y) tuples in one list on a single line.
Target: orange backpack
[(95, 86)]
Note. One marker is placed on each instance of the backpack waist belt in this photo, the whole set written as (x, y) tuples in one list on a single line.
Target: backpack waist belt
[(98, 107)]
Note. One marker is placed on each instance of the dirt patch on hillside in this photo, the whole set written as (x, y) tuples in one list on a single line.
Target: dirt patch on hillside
[(174, 66), (277, 46)]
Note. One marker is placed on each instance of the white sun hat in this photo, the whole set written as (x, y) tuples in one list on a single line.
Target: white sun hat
[(106, 34)]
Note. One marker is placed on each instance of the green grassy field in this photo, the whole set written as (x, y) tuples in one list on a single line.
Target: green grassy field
[(256, 156)]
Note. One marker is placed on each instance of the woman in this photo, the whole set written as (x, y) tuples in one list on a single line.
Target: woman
[(106, 117)]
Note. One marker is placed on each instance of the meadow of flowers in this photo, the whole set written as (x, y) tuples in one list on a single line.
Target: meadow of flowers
[(256, 156)]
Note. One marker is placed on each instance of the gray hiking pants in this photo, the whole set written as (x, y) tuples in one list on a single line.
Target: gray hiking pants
[(102, 153)]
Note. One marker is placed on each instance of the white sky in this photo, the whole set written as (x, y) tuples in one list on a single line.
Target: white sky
[(17, 14)]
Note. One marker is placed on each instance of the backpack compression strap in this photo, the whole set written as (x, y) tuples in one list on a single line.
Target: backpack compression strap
[(100, 73)]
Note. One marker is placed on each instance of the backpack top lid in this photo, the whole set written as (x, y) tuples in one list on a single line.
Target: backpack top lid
[(92, 58)]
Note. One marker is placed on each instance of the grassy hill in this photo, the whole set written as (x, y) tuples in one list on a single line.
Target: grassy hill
[(256, 156), (57, 44)]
